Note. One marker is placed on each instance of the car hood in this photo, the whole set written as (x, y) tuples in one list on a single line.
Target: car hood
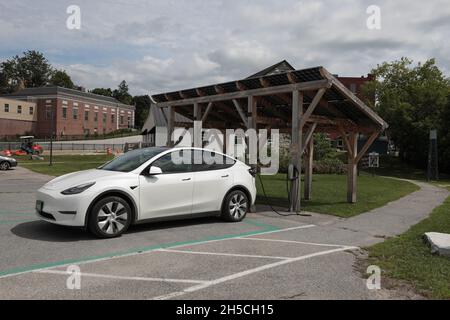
[(77, 178)]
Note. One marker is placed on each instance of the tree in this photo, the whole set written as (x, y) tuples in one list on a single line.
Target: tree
[(142, 104), (107, 92), (122, 94), (412, 100), (62, 79), (31, 69)]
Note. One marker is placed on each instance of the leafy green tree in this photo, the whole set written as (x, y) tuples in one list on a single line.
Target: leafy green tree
[(107, 92), (31, 69), (122, 94), (62, 79), (142, 104), (412, 100)]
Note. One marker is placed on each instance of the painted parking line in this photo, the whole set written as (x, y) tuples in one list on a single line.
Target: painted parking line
[(292, 241), (107, 276), (249, 272), (224, 254), (44, 266)]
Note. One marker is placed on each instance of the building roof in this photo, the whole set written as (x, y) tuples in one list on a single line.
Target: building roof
[(279, 67), (55, 90), (158, 118)]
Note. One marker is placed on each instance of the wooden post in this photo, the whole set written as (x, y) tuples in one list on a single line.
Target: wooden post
[(309, 169), (296, 147), (197, 139), (352, 167), (251, 124), (170, 125)]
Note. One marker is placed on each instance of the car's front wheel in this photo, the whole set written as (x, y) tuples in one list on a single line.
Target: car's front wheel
[(5, 165), (110, 217), (235, 206)]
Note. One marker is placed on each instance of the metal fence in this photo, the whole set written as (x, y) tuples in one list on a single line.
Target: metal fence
[(67, 146)]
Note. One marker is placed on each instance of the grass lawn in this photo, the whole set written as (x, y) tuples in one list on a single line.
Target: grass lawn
[(63, 164), (408, 258), (330, 193)]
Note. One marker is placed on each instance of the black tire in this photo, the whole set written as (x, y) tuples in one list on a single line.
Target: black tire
[(5, 165), (235, 206), (110, 225)]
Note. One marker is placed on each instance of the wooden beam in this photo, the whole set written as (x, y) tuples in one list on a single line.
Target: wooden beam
[(312, 106), (308, 136), (240, 86), (170, 125), (208, 109), (200, 93), (352, 168), (241, 112), (292, 78), (348, 146), (252, 112), (296, 147), (219, 89), (264, 82), (366, 146), (312, 85), (309, 169), (197, 112)]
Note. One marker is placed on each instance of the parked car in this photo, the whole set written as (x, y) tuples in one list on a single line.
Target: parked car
[(7, 162), (147, 185)]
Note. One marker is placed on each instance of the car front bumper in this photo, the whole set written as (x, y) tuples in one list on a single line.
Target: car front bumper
[(67, 210)]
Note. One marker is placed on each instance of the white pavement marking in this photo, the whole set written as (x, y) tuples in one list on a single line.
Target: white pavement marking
[(242, 237), (97, 275), (248, 272), (225, 254), (145, 252), (292, 241)]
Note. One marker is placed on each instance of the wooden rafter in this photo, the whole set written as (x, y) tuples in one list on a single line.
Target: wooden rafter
[(312, 106), (366, 146)]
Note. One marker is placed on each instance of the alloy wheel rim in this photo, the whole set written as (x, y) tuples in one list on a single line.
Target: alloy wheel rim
[(4, 166), (112, 217), (237, 206)]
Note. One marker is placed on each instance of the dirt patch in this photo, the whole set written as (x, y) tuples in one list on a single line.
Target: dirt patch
[(391, 289)]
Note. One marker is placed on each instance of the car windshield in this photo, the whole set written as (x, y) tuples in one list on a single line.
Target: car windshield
[(131, 160)]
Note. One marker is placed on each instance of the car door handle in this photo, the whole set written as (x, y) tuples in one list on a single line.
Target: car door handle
[(225, 176), (187, 179)]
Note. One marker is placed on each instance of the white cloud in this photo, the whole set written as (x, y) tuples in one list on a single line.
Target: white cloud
[(164, 45)]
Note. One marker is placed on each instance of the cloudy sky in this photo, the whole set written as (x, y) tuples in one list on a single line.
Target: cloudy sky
[(159, 45)]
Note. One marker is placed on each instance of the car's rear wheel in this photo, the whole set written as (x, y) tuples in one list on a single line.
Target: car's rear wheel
[(5, 165), (235, 206), (110, 217)]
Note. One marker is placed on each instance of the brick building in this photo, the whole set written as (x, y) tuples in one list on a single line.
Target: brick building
[(75, 112), (17, 117)]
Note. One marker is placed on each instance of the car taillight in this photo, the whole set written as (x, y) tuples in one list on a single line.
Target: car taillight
[(253, 171)]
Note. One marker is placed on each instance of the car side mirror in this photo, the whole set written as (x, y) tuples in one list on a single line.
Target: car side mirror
[(154, 171)]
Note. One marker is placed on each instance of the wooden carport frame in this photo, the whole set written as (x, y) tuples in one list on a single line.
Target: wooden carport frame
[(294, 89)]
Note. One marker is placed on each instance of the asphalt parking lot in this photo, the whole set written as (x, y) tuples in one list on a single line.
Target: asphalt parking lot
[(264, 257)]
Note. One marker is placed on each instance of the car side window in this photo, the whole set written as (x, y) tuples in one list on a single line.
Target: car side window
[(207, 161), (174, 162)]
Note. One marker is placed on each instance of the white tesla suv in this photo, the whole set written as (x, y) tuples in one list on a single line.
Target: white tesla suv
[(147, 185)]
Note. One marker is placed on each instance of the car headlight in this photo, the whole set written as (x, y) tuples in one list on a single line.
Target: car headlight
[(78, 189)]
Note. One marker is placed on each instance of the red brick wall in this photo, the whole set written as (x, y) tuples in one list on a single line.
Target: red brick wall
[(358, 84), (9, 127)]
